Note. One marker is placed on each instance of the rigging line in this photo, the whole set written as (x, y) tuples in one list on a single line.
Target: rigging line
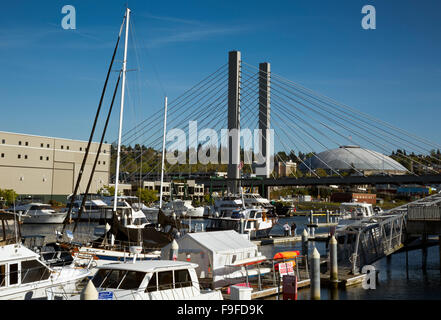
[(273, 120), (356, 119), (216, 108), (173, 110), (315, 155), (276, 154), (80, 173), (257, 91), (171, 121), (334, 102), (83, 202), (243, 82), (150, 59), (333, 120), (346, 149), (371, 152), (180, 99), (300, 120)]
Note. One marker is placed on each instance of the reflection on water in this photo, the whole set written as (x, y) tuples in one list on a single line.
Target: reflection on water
[(394, 281)]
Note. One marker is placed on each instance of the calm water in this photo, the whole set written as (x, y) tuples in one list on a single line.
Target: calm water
[(394, 282)]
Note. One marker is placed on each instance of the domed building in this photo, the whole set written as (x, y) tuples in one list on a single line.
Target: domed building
[(346, 158)]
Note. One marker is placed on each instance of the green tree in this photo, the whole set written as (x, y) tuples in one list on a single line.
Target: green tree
[(147, 196), (108, 190), (8, 196)]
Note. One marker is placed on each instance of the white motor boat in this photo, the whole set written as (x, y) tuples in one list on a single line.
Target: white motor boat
[(93, 210), (148, 280), (23, 276), (252, 221), (354, 212), (39, 213), (183, 208)]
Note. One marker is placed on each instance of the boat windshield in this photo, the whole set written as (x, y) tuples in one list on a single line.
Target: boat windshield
[(45, 207), (118, 279)]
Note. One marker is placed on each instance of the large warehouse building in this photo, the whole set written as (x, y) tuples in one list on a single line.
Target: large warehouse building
[(46, 168), (347, 157)]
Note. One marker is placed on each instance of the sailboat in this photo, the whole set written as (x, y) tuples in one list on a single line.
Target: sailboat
[(129, 234)]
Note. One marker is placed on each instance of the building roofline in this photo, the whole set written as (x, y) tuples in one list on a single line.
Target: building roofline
[(39, 136)]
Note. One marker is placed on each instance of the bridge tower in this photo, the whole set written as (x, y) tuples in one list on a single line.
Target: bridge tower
[(264, 170), (234, 75)]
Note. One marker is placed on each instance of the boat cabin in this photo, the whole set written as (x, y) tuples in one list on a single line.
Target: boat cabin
[(151, 280)]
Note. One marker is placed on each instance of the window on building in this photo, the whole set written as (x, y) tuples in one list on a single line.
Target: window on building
[(104, 151), (99, 162), (26, 143), (3, 141), (47, 158), (48, 145), (19, 156), (19, 143), (62, 147), (81, 148), (104, 162), (26, 156), (67, 147), (41, 145), (3, 155), (32, 271), (41, 157)]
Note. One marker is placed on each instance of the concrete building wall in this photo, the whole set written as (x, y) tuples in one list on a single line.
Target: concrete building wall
[(36, 165)]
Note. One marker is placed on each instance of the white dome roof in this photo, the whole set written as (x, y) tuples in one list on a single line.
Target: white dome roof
[(345, 157)]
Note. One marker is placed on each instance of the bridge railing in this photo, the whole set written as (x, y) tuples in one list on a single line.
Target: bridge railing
[(424, 213)]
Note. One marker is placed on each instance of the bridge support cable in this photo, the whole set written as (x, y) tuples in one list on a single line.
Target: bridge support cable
[(349, 110), (340, 110), (350, 121)]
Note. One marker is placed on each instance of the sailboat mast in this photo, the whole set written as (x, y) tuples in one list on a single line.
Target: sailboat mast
[(163, 152), (124, 68)]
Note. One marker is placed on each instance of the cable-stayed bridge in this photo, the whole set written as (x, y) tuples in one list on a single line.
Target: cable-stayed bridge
[(293, 123)]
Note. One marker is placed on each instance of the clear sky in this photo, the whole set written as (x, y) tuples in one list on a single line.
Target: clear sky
[(51, 78)]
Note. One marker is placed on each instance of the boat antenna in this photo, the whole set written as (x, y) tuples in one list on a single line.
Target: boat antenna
[(124, 70)]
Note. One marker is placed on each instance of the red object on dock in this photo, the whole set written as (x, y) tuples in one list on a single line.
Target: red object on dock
[(289, 287)]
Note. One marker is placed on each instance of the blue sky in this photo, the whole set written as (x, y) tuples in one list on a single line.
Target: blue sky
[(51, 78)]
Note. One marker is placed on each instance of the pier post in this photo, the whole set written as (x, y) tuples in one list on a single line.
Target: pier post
[(327, 216), (174, 248), (315, 275), (333, 261), (304, 243), (439, 250), (424, 251), (311, 217)]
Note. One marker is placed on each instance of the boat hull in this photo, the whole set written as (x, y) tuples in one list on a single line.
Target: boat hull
[(54, 218)]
